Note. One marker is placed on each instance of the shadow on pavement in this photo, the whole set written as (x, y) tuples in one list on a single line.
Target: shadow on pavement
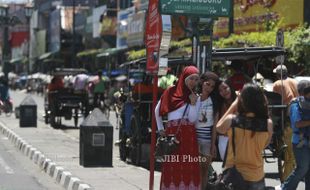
[(272, 175)]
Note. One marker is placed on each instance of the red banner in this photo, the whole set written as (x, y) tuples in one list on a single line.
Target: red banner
[(153, 32)]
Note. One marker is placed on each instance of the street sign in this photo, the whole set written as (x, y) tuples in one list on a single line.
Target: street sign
[(280, 43), (200, 8), (153, 32), (280, 38)]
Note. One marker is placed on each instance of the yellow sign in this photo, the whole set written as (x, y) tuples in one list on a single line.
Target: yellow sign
[(255, 15)]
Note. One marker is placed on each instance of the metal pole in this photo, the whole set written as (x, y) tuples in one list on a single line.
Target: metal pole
[(6, 49), (231, 21), (28, 50), (153, 134), (73, 35)]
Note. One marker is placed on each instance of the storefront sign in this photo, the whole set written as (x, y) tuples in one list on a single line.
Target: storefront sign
[(122, 28), (136, 23), (54, 35), (213, 8), (153, 32), (164, 45), (250, 16)]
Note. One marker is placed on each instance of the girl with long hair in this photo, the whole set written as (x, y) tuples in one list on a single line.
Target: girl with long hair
[(248, 117)]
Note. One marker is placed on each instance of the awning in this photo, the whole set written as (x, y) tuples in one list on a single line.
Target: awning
[(16, 60), (110, 51), (45, 55), (89, 52)]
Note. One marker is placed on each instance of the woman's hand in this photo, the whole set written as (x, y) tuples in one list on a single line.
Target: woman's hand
[(162, 133), (193, 98), (213, 151)]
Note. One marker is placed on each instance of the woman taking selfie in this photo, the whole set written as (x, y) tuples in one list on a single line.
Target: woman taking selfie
[(178, 103)]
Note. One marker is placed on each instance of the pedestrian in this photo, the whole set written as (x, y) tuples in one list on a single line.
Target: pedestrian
[(300, 123), (178, 103), (99, 90), (238, 78), (226, 98), (247, 118), (80, 82), (287, 88), (57, 83), (205, 125)]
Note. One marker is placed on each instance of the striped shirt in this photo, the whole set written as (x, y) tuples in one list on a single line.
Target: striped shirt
[(205, 121)]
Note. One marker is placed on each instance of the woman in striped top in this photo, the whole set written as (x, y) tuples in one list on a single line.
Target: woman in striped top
[(205, 124)]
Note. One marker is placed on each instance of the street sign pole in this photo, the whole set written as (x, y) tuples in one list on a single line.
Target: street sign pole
[(153, 33)]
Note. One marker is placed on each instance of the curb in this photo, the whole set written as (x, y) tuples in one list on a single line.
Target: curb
[(57, 172)]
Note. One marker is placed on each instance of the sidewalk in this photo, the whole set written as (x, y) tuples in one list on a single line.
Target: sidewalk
[(57, 154)]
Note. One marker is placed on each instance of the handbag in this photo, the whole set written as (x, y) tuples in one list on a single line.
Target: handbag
[(231, 178), (168, 144)]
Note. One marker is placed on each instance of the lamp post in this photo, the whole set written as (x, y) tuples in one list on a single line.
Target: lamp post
[(4, 9), (28, 13), (73, 64), (5, 22)]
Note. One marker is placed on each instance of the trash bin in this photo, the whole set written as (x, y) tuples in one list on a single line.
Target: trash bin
[(28, 113), (96, 140)]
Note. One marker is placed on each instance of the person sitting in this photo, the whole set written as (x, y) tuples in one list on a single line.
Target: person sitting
[(239, 78), (80, 82), (57, 83), (99, 89)]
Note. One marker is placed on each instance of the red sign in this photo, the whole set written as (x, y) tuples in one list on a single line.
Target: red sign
[(153, 32)]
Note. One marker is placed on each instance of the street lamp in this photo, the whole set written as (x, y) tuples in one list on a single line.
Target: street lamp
[(28, 13), (5, 22), (4, 9)]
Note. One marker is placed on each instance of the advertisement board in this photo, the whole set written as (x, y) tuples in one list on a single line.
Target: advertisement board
[(136, 24), (153, 32), (54, 35), (97, 13), (250, 16), (122, 26)]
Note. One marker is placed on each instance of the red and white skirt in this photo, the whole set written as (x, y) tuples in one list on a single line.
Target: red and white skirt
[(181, 169)]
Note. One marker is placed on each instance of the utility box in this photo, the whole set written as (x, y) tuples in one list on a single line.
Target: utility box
[(28, 113), (96, 140)]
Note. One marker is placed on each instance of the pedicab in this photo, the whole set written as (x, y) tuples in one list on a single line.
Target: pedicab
[(65, 102), (134, 110)]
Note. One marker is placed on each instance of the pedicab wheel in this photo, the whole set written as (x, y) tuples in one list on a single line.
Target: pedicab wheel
[(135, 152), (53, 120), (281, 148), (46, 117), (122, 145), (8, 110), (76, 117)]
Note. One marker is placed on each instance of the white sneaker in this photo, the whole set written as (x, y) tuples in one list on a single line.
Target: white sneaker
[(278, 187)]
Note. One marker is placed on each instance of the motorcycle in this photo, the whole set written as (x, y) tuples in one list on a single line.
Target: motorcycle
[(6, 106)]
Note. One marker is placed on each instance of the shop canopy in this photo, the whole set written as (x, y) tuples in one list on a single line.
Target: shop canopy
[(110, 51), (224, 54)]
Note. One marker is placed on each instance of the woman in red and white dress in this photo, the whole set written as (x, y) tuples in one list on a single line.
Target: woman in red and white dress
[(180, 170)]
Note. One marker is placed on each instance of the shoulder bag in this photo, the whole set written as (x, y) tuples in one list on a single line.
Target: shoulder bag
[(231, 178), (168, 144)]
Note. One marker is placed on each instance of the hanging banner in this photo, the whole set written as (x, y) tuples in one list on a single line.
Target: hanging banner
[(164, 45), (153, 32)]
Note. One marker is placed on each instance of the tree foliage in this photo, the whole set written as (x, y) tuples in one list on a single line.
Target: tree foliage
[(296, 43)]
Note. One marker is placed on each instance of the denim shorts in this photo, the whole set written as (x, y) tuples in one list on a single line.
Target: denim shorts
[(204, 148), (257, 185)]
